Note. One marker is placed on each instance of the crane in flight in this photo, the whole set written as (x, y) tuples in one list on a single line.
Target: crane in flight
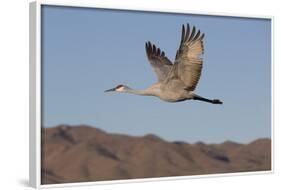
[(176, 82)]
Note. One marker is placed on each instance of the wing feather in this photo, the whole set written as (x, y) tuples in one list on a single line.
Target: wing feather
[(159, 62), (188, 62)]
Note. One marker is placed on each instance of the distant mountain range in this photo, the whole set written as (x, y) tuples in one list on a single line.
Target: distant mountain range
[(84, 153)]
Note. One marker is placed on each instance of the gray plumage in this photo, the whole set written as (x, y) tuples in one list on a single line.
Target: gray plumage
[(176, 82)]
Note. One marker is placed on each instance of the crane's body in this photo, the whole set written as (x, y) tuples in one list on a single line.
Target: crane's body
[(176, 82)]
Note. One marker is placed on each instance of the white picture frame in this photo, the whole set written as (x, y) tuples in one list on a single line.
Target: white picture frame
[(35, 91)]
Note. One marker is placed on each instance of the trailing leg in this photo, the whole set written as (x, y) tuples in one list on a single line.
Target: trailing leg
[(214, 101)]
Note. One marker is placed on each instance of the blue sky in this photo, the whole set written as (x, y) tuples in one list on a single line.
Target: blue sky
[(86, 51)]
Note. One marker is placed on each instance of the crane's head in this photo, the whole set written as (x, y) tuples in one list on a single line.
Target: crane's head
[(118, 88)]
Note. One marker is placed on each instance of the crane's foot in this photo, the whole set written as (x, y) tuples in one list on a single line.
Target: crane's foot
[(216, 101)]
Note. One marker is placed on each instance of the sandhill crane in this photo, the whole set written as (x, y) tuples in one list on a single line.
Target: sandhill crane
[(176, 82)]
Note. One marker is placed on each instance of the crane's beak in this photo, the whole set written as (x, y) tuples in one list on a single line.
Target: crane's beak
[(110, 90)]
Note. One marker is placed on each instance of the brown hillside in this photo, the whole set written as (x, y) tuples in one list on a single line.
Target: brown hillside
[(83, 153)]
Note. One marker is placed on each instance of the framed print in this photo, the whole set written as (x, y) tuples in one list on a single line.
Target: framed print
[(121, 95)]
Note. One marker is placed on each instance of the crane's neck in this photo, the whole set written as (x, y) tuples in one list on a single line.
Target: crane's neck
[(145, 92)]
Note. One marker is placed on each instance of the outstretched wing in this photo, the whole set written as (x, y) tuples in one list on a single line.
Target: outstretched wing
[(188, 62), (159, 62)]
